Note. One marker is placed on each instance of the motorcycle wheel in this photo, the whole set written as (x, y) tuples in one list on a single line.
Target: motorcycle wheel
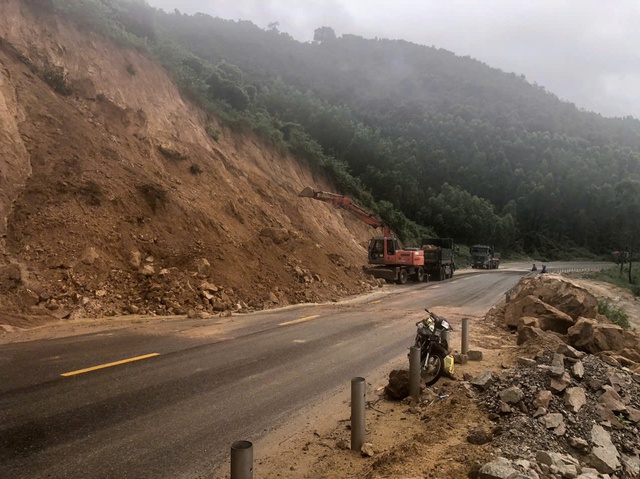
[(434, 368)]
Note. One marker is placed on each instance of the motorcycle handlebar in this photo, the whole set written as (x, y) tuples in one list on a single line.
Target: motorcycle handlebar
[(438, 318)]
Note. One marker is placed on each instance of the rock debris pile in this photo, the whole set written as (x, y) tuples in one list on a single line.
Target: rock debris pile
[(563, 415), (573, 409)]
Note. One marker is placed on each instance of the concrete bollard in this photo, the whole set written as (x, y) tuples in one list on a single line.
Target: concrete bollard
[(358, 402), (465, 336), (414, 372), (507, 297), (444, 335), (242, 460)]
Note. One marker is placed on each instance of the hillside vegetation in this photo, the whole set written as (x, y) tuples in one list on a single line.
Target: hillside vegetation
[(413, 132)]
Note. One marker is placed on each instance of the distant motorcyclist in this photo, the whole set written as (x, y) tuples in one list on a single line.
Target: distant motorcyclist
[(544, 269), (535, 268)]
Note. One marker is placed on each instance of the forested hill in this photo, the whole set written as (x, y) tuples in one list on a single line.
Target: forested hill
[(455, 145)]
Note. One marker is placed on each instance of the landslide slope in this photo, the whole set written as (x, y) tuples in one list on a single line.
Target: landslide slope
[(115, 199)]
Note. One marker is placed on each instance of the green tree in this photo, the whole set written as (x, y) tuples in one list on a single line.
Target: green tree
[(324, 34)]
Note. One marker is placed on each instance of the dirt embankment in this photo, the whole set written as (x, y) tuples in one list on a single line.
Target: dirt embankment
[(114, 199)]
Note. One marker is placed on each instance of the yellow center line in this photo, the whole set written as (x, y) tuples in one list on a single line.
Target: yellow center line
[(435, 287), (301, 320), (108, 365), (376, 302)]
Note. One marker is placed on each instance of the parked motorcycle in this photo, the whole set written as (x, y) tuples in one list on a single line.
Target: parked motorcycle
[(434, 348)]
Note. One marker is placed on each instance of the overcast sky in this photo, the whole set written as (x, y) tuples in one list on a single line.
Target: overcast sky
[(584, 51)]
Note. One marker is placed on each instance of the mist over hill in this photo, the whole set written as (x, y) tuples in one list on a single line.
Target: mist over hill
[(454, 144)]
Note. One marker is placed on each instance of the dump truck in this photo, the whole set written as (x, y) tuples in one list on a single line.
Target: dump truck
[(484, 257), (439, 263), (388, 258)]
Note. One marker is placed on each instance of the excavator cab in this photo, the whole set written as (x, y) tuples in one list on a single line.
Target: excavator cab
[(377, 251)]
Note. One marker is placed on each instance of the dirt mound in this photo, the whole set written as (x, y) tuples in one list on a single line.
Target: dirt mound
[(114, 198)]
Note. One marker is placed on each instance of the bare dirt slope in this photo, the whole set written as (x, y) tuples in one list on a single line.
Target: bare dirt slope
[(114, 199)]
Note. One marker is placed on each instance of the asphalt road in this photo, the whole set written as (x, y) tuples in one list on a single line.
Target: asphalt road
[(174, 412)]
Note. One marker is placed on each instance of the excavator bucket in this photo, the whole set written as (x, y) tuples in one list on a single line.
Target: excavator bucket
[(307, 192)]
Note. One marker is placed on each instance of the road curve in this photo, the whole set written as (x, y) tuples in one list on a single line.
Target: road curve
[(163, 405)]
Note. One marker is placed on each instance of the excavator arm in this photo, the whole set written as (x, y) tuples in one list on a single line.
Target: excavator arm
[(346, 203), (389, 259)]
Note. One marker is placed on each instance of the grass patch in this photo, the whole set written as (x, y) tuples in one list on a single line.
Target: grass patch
[(56, 78), (213, 133), (615, 315), (155, 196), (621, 279)]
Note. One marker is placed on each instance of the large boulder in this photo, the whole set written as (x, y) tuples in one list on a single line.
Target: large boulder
[(561, 293), (549, 317), (590, 336)]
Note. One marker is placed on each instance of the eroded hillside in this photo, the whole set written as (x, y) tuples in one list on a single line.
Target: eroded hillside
[(115, 197)]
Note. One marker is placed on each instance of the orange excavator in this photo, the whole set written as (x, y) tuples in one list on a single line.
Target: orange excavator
[(389, 260)]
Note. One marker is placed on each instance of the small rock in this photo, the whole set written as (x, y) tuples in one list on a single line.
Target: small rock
[(512, 395), (483, 380), (539, 412), (148, 270), (575, 398), (560, 430), (206, 286), (579, 444), (475, 355), (577, 370), (460, 358), (499, 468), (552, 420), (273, 298), (634, 415), (218, 306), (277, 235), (570, 352), (135, 259), (611, 400), (631, 464), (89, 256), (367, 450), (479, 436), (560, 384), (543, 398), (557, 365), (526, 362), (608, 359)]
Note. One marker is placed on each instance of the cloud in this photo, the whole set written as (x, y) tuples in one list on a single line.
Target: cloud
[(584, 51)]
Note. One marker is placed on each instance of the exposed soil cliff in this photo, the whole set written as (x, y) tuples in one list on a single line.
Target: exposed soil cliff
[(114, 199)]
